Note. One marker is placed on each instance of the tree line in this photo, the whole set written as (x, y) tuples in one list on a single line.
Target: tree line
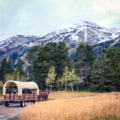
[(51, 67), (100, 73), (7, 71), (105, 74)]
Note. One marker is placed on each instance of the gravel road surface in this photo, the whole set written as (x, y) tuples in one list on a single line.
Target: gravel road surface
[(10, 112)]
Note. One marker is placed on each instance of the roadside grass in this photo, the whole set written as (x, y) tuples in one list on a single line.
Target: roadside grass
[(88, 106), (70, 94)]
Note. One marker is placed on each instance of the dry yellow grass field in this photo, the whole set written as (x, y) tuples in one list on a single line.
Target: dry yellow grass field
[(99, 107)]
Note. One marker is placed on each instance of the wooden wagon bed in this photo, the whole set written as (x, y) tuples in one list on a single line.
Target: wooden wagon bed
[(17, 98)]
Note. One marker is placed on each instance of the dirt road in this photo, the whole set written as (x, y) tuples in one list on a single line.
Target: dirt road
[(10, 112)]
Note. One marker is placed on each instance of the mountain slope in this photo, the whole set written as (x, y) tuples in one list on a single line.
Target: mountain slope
[(85, 33), (113, 42)]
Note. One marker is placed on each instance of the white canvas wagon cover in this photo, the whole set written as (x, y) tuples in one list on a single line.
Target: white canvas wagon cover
[(20, 86)]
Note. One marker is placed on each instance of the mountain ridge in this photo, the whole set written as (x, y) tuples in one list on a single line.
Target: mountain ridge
[(83, 33)]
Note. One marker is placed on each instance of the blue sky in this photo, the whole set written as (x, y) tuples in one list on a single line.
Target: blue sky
[(39, 17)]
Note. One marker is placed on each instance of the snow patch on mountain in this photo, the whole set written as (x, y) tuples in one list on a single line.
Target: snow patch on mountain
[(84, 32)]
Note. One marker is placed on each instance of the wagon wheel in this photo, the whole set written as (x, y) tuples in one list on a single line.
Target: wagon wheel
[(6, 104), (22, 104)]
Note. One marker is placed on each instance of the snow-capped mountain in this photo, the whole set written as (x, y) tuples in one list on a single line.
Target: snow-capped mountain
[(85, 32)]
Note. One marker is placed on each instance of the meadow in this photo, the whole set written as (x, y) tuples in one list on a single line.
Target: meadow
[(75, 106)]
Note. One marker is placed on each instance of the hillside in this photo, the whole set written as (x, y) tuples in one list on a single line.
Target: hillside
[(113, 42), (83, 33)]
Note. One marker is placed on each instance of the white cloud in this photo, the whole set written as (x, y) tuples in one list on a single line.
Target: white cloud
[(103, 6), (108, 11)]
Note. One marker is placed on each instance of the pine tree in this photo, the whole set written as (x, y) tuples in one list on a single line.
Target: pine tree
[(89, 53), (32, 53), (51, 77), (0, 73), (102, 75), (43, 61), (19, 67), (62, 58), (113, 55), (3, 70), (10, 67), (83, 62), (50, 54), (1, 87), (98, 76)]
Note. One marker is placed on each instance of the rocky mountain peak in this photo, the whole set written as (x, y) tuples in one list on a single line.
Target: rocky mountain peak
[(85, 32)]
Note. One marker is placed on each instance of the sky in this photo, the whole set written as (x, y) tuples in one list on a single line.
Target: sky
[(39, 17)]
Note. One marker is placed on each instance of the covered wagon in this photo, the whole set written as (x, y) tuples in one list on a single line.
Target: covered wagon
[(20, 92)]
